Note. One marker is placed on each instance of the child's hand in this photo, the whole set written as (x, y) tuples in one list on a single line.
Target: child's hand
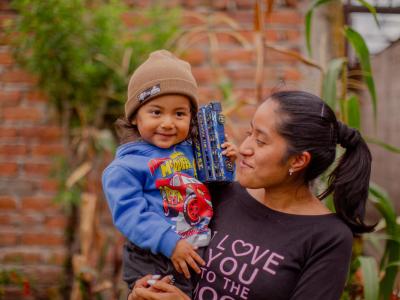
[(184, 254), (231, 149)]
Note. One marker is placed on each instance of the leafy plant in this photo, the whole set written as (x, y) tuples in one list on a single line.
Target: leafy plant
[(82, 54), (374, 286)]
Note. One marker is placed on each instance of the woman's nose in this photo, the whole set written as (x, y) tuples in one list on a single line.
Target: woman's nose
[(245, 148)]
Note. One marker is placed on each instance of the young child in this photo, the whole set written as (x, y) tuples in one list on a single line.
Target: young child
[(155, 200)]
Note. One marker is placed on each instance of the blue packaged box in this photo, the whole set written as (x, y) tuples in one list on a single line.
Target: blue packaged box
[(211, 165)]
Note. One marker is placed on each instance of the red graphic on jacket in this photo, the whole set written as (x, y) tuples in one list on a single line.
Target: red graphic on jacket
[(154, 164), (184, 199), (185, 194)]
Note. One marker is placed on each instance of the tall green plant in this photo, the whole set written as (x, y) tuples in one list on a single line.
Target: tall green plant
[(82, 54), (347, 105)]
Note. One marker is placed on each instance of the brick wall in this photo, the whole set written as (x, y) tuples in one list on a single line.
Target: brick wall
[(31, 225)]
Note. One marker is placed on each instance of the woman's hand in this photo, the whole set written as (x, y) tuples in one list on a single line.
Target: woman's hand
[(140, 283), (150, 288), (184, 254), (161, 290)]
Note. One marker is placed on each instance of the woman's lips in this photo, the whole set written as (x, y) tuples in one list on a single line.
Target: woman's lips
[(244, 164)]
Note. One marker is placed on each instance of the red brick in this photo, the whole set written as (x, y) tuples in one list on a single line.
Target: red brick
[(227, 4), (193, 19), (42, 239), (275, 57), (21, 114), (203, 74), (8, 238), (6, 58), (37, 203), (37, 169), (8, 169), (23, 258), (194, 56), (235, 37), (42, 133), (29, 218), (206, 94), (6, 132), (9, 98), (243, 17), (7, 202), (17, 76), (273, 35), (291, 17), (36, 96), (240, 74), (5, 220), (49, 185), (13, 150), (235, 55), (57, 258), (292, 74), (132, 18), (56, 222), (47, 150)]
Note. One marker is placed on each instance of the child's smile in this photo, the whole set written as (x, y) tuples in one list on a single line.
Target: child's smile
[(164, 121)]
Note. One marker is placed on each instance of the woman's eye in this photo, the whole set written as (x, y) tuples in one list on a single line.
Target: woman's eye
[(260, 143), (248, 133)]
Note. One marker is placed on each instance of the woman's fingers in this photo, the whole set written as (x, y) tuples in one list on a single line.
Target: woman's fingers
[(142, 282), (144, 293), (170, 289)]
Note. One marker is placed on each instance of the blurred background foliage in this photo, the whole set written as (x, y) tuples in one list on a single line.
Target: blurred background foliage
[(82, 55)]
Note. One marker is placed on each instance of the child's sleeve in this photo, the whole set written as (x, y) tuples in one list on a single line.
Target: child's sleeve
[(130, 213)]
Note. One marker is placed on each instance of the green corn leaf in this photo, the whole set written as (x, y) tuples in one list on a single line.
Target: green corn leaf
[(392, 248), (369, 272), (329, 81), (362, 52), (384, 145), (371, 9), (353, 112), (308, 19)]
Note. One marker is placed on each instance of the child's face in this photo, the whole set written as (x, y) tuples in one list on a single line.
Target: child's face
[(164, 121)]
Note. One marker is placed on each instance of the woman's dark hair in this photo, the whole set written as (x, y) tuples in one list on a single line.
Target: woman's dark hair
[(308, 124)]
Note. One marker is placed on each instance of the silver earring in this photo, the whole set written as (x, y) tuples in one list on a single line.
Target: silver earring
[(291, 172)]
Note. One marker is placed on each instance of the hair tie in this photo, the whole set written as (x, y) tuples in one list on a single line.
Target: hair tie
[(348, 137)]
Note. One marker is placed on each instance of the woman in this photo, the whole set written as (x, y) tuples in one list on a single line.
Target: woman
[(284, 244)]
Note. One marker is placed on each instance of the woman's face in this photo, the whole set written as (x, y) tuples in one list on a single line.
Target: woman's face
[(262, 163)]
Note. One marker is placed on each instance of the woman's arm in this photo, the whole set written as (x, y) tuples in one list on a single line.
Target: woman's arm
[(324, 273)]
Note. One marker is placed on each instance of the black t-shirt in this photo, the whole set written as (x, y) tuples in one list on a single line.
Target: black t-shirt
[(258, 253)]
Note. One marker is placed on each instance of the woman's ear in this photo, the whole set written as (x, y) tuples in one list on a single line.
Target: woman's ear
[(300, 161)]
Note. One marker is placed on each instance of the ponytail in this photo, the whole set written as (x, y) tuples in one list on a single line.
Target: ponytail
[(308, 124), (349, 181)]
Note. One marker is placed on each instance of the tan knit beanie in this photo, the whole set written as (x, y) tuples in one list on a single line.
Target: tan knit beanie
[(162, 73)]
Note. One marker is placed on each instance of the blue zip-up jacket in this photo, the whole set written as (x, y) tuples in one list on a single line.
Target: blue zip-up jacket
[(154, 198)]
